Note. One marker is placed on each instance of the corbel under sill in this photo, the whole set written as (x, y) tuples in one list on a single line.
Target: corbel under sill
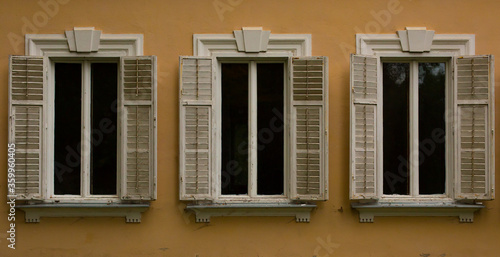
[(367, 211), (131, 212), (301, 212)]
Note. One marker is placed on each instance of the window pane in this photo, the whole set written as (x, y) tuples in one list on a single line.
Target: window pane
[(67, 128), (104, 127), (396, 79), (431, 127), (234, 128), (270, 79)]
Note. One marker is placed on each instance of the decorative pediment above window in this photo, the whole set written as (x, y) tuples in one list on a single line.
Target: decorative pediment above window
[(416, 39), (252, 39), (83, 40)]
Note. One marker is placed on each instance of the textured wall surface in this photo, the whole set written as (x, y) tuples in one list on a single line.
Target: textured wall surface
[(168, 27)]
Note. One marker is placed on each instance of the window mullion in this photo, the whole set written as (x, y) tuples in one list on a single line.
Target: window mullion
[(252, 129), (50, 121), (450, 128), (414, 144), (286, 126), (86, 129)]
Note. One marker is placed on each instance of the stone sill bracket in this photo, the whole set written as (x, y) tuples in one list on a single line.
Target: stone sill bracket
[(203, 212), (368, 211), (131, 212)]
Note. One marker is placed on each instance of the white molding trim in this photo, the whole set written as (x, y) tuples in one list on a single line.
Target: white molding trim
[(288, 44), (110, 45), (387, 44), (301, 212), (131, 212), (367, 212)]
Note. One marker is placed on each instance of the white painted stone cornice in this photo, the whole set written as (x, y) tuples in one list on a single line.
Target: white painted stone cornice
[(441, 44), (252, 41), (66, 44)]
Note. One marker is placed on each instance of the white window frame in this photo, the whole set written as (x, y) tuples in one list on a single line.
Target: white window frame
[(86, 132), (56, 48), (413, 138), (94, 47), (224, 48), (251, 44), (425, 44), (443, 47), (252, 103)]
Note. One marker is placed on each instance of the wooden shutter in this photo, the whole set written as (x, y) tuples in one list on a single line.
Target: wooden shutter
[(138, 127), (363, 147), (196, 121), (309, 125), (26, 110), (474, 128)]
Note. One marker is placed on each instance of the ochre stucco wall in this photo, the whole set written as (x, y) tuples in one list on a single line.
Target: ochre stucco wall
[(168, 27)]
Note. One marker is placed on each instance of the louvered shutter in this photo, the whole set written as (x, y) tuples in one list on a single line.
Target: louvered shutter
[(196, 146), (138, 127), (363, 147), (309, 125), (474, 178), (26, 110)]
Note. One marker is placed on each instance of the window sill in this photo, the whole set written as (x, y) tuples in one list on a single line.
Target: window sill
[(301, 212), (131, 212), (367, 211)]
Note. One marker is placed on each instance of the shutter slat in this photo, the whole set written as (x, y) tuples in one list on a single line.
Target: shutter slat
[(137, 78), (475, 139), (364, 149), (196, 83), (472, 144), (364, 95), (138, 158), (197, 149), (309, 140), (308, 79), (472, 78), (26, 78), (196, 79), (26, 109), (138, 94), (308, 147), (364, 78)]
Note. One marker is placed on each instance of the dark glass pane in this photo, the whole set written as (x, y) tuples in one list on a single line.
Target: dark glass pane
[(234, 128), (431, 127), (104, 127), (270, 79), (67, 128), (396, 79)]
